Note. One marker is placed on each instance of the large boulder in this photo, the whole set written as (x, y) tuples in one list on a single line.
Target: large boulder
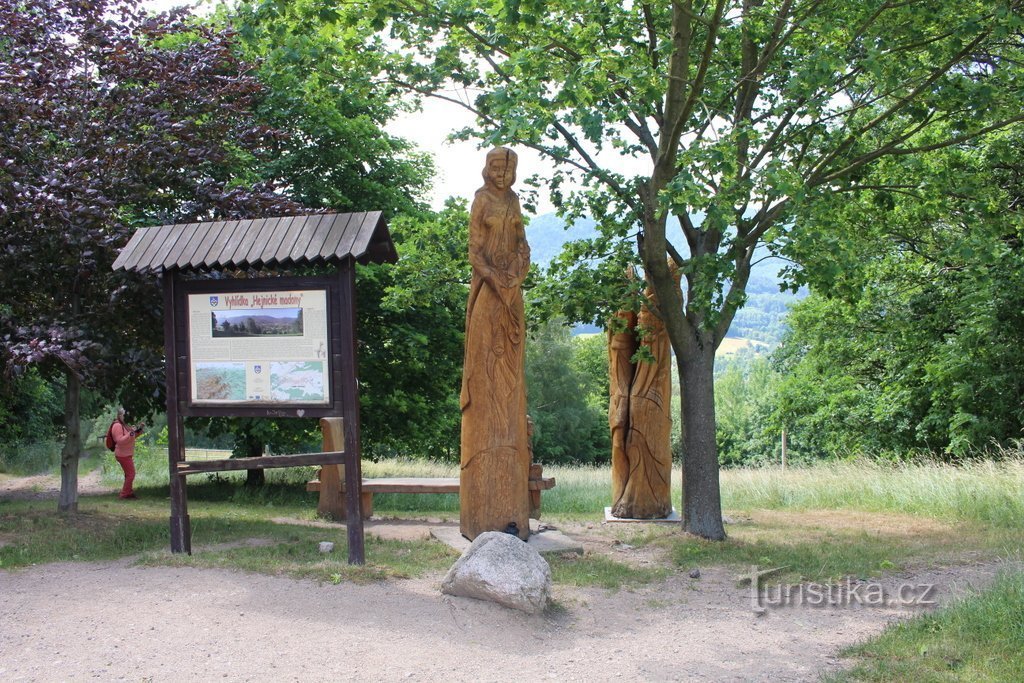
[(503, 569)]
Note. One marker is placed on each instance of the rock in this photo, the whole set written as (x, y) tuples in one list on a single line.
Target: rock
[(503, 569), (694, 573), (326, 547)]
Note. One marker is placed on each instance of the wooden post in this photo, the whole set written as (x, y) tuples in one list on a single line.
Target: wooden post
[(350, 408), (536, 474), (181, 528), (783, 449), (330, 505)]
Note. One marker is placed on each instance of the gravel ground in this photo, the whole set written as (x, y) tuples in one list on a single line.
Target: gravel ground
[(117, 621)]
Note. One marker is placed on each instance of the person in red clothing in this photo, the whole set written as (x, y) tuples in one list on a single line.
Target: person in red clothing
[(124, 436)]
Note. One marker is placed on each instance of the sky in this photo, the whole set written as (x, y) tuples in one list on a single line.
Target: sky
[(460, 163)]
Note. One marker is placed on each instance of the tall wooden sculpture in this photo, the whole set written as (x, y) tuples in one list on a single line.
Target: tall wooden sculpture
[(495, 462), (639, 415)]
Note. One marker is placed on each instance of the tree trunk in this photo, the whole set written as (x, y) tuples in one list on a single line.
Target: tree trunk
[(68, 500), (702, 500), (255, 478)]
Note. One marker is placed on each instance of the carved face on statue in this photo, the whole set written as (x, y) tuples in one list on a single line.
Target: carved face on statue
[(500, 170)]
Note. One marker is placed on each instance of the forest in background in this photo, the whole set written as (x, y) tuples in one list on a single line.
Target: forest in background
[(908, 344)]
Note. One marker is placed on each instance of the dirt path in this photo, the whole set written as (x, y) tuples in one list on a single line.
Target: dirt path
[(43, 486), (116, 621)]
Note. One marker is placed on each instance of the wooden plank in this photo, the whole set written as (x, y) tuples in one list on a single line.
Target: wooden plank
[(412, 485), (283, 247), (262, 462), (331, 503), (348, 400), (157, 239), (137, 238), (302, 242), (154, 256), (227, 252), (252, 257), (145, 237), (197, 255), (242, 243), (364, 234), (380, 248), (422, 485), (338, 234), (198, 237), (172, 249), (208, 259), (181, 530)]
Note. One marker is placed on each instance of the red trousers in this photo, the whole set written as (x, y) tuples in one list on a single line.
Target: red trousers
[(128, 465)]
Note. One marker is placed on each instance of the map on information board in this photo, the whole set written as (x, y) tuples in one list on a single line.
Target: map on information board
[(259, 347)]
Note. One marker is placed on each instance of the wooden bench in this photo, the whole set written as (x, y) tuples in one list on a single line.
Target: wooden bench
[(333, 505)]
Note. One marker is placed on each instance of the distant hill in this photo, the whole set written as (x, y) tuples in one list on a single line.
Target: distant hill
[(547, 233), (762, 318)]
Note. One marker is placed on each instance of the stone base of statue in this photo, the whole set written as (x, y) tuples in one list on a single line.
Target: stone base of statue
[(672, 517), (543, 539)]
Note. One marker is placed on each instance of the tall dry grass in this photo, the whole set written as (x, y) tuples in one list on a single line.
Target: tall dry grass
[(988, 491)]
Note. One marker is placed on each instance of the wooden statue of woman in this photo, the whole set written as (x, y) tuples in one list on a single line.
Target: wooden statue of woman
[(495, 460), (640, 418)]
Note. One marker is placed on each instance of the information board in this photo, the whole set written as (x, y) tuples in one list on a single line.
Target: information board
[(255, 347)]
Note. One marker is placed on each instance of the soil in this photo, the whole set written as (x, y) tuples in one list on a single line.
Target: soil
[(117, 621)]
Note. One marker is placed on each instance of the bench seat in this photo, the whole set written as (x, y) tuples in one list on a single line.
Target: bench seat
[(421, 485)]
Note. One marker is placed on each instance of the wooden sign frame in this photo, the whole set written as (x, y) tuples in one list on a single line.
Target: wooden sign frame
[(338, 371), (343, 394)]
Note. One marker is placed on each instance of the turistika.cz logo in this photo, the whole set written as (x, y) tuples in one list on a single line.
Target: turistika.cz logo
[(847, 593)]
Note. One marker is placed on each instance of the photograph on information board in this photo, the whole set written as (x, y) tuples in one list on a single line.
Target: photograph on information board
[(259, 347)]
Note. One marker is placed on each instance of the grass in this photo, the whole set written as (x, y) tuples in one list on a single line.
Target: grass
[(987, 492), (29, 458), (597, 570), (824, 546), (978, 639), (297, 554), (822, 522)]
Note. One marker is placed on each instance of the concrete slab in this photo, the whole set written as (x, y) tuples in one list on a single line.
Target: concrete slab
[(672, 517), (544, 542)]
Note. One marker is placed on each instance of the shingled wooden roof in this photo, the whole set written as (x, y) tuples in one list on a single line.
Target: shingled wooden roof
[(259, 243)]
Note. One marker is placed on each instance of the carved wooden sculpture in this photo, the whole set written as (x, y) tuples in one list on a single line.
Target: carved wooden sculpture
[(639, 415), (494, 474), (622, 344)]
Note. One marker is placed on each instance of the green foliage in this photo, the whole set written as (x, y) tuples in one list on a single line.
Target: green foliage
[(917, 345), (412, 325), (744, 401), (112, 125), (319, 67), (731, 116), (567, 389), (31, 408)]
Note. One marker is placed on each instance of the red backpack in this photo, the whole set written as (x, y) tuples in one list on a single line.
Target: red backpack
[(109, 441)]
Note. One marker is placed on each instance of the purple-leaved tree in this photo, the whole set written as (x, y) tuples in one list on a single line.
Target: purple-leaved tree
[(110, 119)]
